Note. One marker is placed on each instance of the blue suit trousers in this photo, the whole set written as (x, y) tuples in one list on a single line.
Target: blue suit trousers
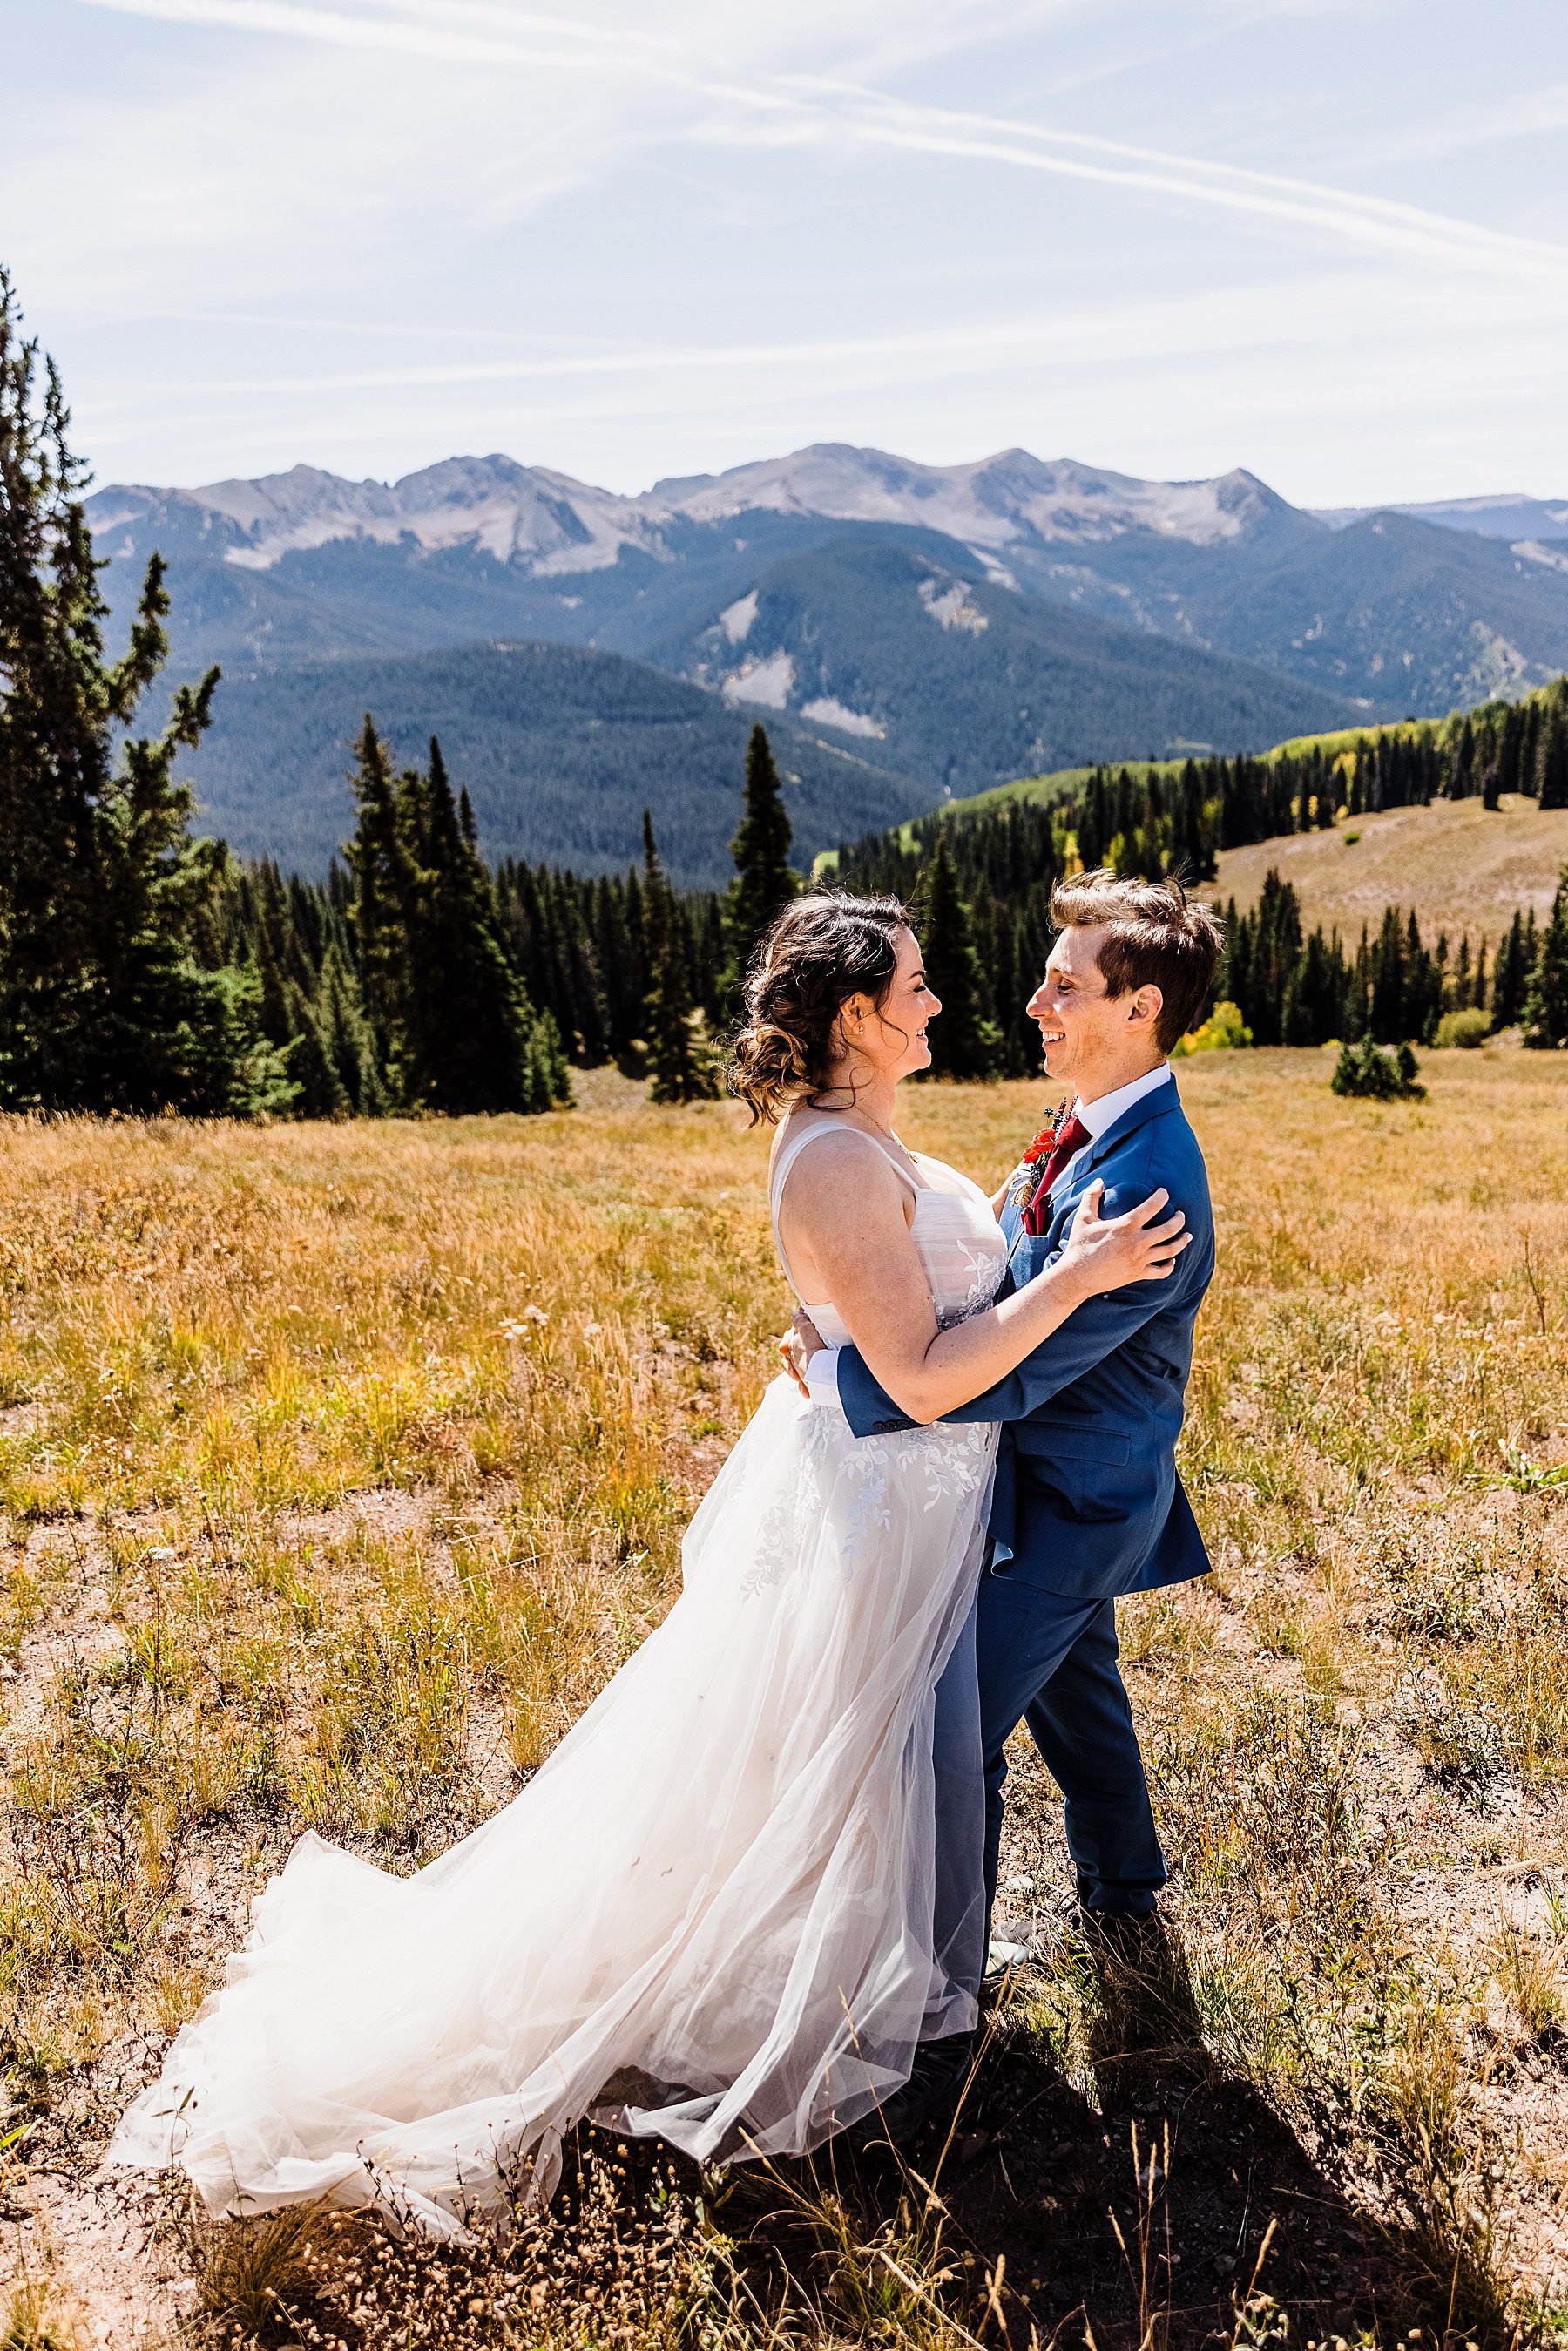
[(1043, 1658)]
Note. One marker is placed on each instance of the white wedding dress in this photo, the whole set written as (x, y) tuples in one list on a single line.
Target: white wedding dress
[(708, 1915)]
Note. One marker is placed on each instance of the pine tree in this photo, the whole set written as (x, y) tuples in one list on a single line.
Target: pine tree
[(1093, 828), (1545, 1019), (965, 1040), (106, 1002), (466, 1039), (347, 1035), (1269, 955), (681, 1063), (1551, 762), (711, 952), (1510, 750), (320, 1092), (1510, 976), (1315, 994), (453, 1028), (1328, 796), (1423, 984), (385, 880), (1531, 752), (621, 961), (1388, 1022), (764, 879), (1461, 763)]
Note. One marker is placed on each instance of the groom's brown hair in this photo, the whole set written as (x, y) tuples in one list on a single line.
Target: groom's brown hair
[(1156, 938)]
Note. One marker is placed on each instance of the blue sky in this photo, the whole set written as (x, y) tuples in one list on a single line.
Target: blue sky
[(1328, 241)]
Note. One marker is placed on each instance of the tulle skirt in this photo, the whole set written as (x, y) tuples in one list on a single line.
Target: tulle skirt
[(708, 1915)]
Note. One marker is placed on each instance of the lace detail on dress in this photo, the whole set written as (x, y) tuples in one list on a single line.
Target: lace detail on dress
[(849, 1482), (985, 1277), (784, 1529)]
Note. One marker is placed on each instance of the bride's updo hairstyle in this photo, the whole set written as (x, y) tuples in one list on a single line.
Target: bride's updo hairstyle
[(817, 953)]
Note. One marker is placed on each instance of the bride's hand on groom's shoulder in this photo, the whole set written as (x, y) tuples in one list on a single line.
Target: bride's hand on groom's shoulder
[(796, 1347), (1139, 1246)]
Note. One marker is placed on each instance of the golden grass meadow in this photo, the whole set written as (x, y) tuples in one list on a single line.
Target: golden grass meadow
[(340, 1465)]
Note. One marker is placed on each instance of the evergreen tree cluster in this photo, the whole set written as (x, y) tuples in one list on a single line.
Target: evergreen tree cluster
[(1295, 988), (390, 986), (412, 979), (630, 971)]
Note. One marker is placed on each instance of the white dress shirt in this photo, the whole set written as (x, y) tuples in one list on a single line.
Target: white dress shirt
[(1100, 1116)]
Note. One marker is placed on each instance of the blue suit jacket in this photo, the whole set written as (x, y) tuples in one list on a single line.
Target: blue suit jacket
[(1087, 1502)]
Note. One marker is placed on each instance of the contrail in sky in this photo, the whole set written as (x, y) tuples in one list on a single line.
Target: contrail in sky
[(800, 110)]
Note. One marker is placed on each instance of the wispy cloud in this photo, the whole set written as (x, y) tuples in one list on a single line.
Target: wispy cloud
[(632, 378), (627, 241), (1522, 114), (796, 108), (533, 42), (1373, 223)]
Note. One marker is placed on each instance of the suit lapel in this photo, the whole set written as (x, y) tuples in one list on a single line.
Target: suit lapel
[(1162, 1101), (1158, 1104), (1068, 1190)]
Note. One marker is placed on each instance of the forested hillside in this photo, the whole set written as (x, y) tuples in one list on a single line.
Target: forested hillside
[(969, 680), (561, 749), (892, 669)]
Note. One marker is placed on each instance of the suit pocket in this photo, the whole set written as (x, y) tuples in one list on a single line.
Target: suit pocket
[(1030, 1255), (1069, 1440)]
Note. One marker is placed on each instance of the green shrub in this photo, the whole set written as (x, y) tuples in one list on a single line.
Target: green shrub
[(1366, 1070), (1467, 1028)]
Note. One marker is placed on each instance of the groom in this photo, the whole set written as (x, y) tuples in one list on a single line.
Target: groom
[(1087, 1502)]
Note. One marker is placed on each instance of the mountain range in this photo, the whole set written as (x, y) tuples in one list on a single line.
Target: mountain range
[(907, 631)]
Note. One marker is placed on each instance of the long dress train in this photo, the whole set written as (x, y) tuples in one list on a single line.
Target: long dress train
[(707, 1912)]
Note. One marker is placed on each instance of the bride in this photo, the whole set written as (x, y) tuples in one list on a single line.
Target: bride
[(709, 1914)]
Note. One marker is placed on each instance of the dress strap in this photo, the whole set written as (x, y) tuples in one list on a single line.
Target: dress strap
[(788, 1153)]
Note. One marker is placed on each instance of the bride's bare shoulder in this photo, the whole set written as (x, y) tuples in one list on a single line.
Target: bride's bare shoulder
[(841, 1155)]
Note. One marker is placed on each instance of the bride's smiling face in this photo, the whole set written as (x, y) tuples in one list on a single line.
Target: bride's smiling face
[(891, 1036)]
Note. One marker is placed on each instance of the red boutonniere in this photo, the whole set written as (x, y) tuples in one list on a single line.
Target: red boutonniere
[(1045, 1143), (1027, 1178)]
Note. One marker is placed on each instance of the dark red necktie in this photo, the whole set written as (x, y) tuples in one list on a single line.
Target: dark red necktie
[(1073, 1137)]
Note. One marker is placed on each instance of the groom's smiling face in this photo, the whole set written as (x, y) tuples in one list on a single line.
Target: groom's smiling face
[(1093, 1041)]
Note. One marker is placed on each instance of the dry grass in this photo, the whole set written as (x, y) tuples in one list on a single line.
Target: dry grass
[(339, 1467), (1462, 866)]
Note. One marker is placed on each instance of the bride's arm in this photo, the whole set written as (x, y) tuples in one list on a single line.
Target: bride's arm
[(844, 1206)]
